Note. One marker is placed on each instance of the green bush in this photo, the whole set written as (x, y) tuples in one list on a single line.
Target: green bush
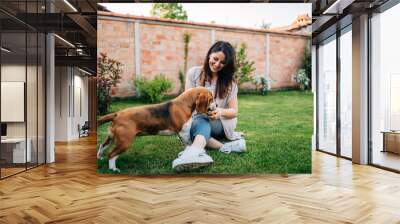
[(153, 90), (302, 79), (261, 85), (307, 64), (108, 75)]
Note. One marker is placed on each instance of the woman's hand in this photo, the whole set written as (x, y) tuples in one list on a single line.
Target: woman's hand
[(228, 113), (215, 114)]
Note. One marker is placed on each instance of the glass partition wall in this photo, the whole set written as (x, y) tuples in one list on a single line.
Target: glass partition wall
[(385, 89), (334, 86), (327, 95), (346, 92), (334, 90), (22, 88)]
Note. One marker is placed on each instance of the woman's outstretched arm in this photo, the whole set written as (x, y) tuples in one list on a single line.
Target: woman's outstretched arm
[(230, 112)]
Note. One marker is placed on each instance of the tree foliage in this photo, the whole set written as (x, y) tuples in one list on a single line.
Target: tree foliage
[(244, 67), (169, 11), (186, 40)]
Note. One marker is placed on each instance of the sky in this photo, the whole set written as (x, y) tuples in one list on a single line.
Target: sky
[(250, 15)]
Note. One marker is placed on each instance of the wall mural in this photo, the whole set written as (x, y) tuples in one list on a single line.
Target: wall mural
[(178, 96)]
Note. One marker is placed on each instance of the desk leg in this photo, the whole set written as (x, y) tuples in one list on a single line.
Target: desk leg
[(384, 142)]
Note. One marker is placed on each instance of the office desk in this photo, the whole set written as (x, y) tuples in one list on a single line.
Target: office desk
[(391, 141), (15, 148)]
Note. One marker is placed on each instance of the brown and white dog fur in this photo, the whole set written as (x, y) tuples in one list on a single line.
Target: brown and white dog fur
[(155, 119)]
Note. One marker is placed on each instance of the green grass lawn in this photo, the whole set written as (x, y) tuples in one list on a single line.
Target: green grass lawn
[(278, 130)]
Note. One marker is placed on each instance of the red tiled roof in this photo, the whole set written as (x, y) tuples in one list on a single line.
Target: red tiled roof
[(211, 25)]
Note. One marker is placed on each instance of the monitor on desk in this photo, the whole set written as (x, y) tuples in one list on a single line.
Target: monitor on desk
[(3, 130)]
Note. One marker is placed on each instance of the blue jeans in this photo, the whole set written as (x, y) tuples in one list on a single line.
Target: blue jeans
[(202, 125)]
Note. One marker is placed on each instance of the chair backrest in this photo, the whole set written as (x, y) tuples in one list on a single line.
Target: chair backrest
[(86, 125)]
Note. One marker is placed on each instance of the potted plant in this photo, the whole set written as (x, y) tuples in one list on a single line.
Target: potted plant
[(261, 85), (302, 79)]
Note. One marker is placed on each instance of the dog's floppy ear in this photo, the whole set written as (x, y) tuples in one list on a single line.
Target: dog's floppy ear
[(202, 103), (211, 103)]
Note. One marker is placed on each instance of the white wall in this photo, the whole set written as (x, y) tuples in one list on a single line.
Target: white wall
[(81, 82), (70, 84), (14, 72), (61, 103)]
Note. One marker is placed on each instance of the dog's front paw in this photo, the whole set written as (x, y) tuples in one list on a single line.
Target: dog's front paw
[(99, 155)]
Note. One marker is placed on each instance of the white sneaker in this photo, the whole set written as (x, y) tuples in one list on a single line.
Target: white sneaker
[(191, 158), (234, 146)]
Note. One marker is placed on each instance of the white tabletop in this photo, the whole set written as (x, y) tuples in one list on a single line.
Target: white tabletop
[(13, 140)]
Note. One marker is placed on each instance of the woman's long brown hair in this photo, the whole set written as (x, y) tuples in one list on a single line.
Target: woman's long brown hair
[(225, 76)]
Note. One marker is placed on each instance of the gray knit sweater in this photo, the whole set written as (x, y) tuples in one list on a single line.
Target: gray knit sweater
[(193, 80)]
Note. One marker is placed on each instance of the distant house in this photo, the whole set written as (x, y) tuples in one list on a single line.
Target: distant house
[(302, 25)]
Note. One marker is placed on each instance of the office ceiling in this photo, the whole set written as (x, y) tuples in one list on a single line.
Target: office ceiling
[(74, 21), (327, 13)]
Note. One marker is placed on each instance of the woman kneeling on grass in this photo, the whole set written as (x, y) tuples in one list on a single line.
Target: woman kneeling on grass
[(216, 74)]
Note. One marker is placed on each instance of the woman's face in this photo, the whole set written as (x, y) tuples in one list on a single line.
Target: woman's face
[(216, 61)]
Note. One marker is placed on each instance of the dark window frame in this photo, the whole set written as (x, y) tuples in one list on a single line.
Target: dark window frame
[(341, 27), (30, 30)]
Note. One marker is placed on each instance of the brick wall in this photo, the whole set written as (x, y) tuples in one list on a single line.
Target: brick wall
[(116, 38), (285, 58), (162, 50), (276, 54), (255, 48)]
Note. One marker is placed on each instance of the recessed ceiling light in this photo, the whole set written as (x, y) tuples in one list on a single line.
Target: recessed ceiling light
[(64, 40), (88, 73), (338, 6), (5, 50), (70, 5)]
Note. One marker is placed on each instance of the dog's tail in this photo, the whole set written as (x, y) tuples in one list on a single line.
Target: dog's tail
[(106, 118)]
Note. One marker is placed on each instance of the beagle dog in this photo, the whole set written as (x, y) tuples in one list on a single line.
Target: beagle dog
[(155, 119)]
